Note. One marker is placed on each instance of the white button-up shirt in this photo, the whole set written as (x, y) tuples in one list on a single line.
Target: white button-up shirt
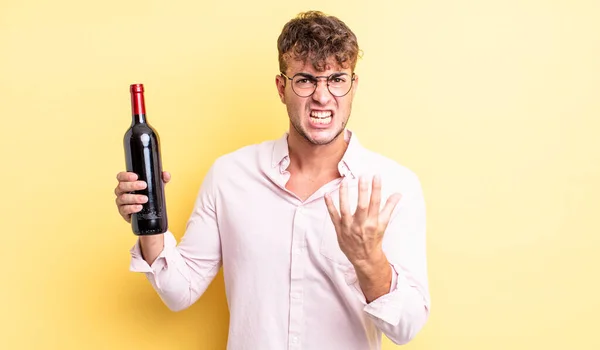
[(288, 284)]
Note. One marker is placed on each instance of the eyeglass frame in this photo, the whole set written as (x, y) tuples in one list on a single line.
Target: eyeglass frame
[(316, 78)]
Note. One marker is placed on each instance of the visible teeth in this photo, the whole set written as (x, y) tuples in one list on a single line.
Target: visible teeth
[(320, 114), (321, 120)]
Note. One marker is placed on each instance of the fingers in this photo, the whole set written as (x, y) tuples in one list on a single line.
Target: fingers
[(375, 198), (126, 199), (362, 205), (126, 176), (346, 215), (386, 212), (333, 213), (127, 210), (130, 176), (368, 207), (128, 185), (129, 204), (128, 182)]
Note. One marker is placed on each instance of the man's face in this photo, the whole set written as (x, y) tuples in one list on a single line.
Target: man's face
[(321, 117)]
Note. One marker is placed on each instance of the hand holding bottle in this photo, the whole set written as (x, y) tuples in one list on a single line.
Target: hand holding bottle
[(128, 202)]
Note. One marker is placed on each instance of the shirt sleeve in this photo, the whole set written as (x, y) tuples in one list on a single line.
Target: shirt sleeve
[(402, 313), (181, 273)]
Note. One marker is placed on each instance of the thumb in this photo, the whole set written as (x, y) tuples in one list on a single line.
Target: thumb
[(166, 176)]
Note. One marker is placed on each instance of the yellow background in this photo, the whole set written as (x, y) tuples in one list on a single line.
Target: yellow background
[(495, 104)]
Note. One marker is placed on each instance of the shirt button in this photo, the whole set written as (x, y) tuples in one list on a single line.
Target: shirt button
[(298, 250), (295, 340)]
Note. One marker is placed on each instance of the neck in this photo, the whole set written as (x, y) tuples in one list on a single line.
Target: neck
[(309, 158)]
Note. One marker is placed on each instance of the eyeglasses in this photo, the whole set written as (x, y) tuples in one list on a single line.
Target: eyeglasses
[(304, 84)]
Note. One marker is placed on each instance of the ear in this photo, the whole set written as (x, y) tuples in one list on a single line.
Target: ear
[(354, 85), (280, 83)]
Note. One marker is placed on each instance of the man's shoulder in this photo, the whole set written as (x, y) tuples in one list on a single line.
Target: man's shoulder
[(394, 173), (249, 155), (378, 162)]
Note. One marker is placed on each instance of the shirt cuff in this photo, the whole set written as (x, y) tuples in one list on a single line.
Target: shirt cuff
[(137, 262), (388, 307)]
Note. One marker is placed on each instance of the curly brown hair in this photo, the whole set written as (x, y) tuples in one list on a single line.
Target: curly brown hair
[(317, 37)]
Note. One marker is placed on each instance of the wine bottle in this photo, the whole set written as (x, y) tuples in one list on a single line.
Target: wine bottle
[(142, 155)]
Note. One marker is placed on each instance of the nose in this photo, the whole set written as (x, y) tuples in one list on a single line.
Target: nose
[(322, 94)]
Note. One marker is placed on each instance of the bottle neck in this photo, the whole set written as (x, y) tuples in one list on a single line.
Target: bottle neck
[(138, 119), (138, 107)]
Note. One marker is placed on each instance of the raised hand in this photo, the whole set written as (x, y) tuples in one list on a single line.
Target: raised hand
[(360, 235)]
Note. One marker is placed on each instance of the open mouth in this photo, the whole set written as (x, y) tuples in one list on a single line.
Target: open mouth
[(321, 117)]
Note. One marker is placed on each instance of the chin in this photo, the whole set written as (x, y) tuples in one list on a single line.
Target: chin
[(322, 137)]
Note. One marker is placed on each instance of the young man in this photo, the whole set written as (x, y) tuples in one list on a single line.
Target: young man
[(316, 252)]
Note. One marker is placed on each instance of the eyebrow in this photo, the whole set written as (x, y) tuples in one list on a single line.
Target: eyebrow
[(312, 76)]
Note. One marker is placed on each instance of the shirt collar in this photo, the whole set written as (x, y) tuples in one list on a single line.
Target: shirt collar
[(350, 165)]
